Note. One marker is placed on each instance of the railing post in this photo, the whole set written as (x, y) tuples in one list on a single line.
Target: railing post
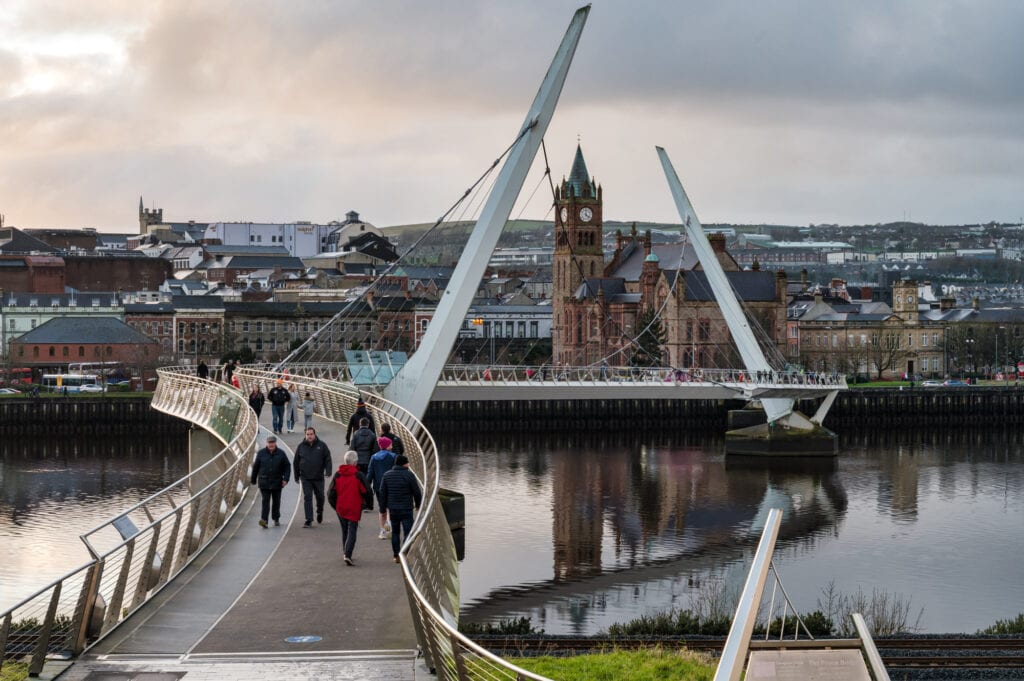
[(114, 608), (5, 630), (43, 645), (86, 603), (734, 654), (145, 573)]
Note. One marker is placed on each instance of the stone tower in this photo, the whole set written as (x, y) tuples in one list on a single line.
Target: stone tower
[(904, 300), (149, 217), (578, 253)]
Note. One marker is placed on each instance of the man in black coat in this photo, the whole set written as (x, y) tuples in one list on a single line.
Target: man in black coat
[(271, 472), (400, 494), (359, 415), (364, 442), (312, 464), (278, 397)]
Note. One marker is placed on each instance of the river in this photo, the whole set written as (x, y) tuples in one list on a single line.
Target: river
[(580, 530)]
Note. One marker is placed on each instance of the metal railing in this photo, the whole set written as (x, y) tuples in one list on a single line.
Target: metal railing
[(429, 564), (136, 553), (475, 373)]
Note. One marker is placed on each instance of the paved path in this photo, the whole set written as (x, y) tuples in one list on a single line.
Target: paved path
[(229, 615)]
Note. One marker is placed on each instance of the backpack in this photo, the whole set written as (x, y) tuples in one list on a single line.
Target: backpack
[(332, 494)]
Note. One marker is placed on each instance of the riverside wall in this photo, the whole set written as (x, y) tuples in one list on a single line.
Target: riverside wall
[(875, 407), (63, 415)]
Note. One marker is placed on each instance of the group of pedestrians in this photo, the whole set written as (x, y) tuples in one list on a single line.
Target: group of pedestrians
[(374, 468), (284, 404)]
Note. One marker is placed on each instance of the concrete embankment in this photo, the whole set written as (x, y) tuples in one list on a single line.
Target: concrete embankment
[(98, 414), (877, 407)]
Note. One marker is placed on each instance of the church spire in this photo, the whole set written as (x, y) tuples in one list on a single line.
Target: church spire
[(579, 178)]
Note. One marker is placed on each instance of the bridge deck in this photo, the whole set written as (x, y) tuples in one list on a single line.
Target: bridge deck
[(257, 587)]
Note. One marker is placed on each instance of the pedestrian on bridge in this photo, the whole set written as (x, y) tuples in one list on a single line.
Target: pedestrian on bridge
[(271, 472), (354, 421), (308, 409), (293, 403), (256, 400), (312, 464), (397, 446), (364, 442), (380, 463), (348, 490), (278, 397), (401, 495)]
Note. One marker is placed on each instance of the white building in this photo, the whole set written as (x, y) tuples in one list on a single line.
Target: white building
[(302, 239)]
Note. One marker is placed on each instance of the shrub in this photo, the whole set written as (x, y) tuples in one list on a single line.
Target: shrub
[(518, 626), (1006, 627)]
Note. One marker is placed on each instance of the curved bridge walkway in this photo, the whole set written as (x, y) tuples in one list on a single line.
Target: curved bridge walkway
[(230, 615)]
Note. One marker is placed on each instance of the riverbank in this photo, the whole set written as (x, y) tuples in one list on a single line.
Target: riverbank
[(128, 413)]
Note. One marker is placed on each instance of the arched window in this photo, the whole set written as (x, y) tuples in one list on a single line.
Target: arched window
[(64, 351), (35, 350), (81, 351), (110, 351), (53, 352)]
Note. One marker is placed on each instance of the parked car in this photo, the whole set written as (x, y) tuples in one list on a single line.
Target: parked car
[(90, 389), (932, 384), (955, 383), (9, 391)]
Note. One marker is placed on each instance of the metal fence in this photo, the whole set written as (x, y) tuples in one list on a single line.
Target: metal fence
[(429, 564), (136, 553), (597, 374)]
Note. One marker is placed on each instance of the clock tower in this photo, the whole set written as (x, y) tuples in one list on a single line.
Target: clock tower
[(578, 252)]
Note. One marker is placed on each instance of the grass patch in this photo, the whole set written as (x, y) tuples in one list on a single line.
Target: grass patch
[(13, 671), (652, 664)]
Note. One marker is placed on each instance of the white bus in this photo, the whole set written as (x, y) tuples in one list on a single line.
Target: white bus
[(73, 382)]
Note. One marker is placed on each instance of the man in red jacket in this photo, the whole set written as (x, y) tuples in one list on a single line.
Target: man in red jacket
[(350, 486)]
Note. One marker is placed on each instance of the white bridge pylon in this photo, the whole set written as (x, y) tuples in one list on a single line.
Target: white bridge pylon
[(413, 385)]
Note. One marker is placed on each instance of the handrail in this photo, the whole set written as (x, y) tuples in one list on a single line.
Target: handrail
[(85, 604), (429, 564)]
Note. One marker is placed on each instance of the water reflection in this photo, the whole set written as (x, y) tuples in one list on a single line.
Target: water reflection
[(53, 489), (579, 531)]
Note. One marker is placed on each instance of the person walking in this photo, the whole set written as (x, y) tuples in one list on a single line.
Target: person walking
[(256, 400), (308, 409), (364, 442), (381, 463), (293, 403), (278, 397), (228, 371), (401, 495), (271, 472), (349, 491), (353, 423), (397, 446), (202, 371), (312, 463)]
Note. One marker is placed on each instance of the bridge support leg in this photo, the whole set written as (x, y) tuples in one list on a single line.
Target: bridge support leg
[(792, 435)]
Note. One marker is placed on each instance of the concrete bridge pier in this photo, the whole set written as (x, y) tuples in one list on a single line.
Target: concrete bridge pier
[(793, 435)]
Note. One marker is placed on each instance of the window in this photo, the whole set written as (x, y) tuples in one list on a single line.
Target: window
[(64, 351), (423, 325), (192, 327), (35, 350), (81, 351), (509, 329), (835, 340), (52, 352), (34, 323), (245, 326), (924, 340), (935, 339), (534, 331), (204, 328), (704, 330), (522, 330), (110, 350), (181, 328), (910, 340)]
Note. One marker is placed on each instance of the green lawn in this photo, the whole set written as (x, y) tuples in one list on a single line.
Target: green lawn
[(654, 664)]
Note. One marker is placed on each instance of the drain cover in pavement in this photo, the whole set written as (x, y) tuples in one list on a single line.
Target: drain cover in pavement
[(303, 639)]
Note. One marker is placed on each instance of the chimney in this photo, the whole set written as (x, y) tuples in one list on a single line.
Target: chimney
[(717, 241), (803, 278), (975, 303), (369, 298), (947, 303)]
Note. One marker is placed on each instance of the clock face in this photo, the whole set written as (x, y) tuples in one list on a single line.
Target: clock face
[(565, 214), (586, 214)]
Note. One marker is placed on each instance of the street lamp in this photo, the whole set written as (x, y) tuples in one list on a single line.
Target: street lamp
[(970, 353), (998, 362)]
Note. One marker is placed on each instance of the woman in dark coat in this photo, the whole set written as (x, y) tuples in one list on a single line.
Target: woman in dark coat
[(256, 400)]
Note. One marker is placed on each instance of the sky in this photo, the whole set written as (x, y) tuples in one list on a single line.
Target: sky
[(786, 112)]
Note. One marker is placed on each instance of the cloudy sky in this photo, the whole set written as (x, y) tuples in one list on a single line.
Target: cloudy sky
[(783, 112)]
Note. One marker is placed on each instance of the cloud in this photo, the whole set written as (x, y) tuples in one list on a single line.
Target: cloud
[(792, 111)]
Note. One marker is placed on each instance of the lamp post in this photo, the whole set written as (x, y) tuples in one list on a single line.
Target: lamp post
[(970, 352), (999, 363)]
